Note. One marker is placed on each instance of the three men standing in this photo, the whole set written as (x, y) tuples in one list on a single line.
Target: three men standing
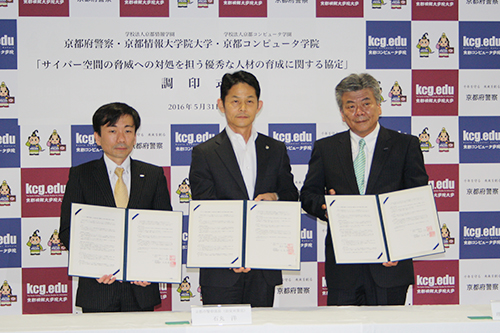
[(241, 164)]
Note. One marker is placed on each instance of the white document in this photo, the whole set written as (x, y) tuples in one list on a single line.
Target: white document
[(411, 223), (387, 227), (273, 235), (356, 230), (97, 235), (215, 234), (154, 248), (134, 245), (238, 233)]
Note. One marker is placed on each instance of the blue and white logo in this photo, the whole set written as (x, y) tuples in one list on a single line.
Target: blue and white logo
[(388, 45), (10, 155), (480, 235), (298, 138), (185, 137), (10, 243), (84, 148), (8, 44), (479, 139), (479, 45), (308, 238)]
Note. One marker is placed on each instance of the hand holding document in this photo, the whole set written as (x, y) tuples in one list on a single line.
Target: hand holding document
[(386, 227), (237, 233), (128, 244)]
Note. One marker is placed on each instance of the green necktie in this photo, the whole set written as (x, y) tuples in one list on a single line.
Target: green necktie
[(359, 167)]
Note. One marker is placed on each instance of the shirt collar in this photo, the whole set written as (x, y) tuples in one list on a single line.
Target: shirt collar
[(236, 137), (111, 166), (370, 139)]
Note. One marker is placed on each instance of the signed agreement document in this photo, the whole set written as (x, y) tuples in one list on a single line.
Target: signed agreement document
[(386, 227), (239, 233), (132, 244)]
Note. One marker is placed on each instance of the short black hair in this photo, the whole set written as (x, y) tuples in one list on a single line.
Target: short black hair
[(229, 80), (109, 114)]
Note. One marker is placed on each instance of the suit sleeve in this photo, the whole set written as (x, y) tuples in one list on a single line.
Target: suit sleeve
[(73, 193), (287, 191), (414, 171), (312, 194), (200, 177)]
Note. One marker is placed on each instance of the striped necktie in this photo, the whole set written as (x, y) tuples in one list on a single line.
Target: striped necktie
[(359, 166)]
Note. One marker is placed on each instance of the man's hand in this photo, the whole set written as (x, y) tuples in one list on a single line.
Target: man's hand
[(390, 263), (141, 283), (330, 192), (267, 197), (241, 270), (107, 279)]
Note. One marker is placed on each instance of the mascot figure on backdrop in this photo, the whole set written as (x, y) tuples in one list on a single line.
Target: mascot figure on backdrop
[(425, 143), (4, 3), (443, 141), (184, 290), (34, 244), (33, 144), (56, 247), (6, 297), (184, 191), (377, 4), (54, 143), (443, 46), (423, 46), (395, 94), (5, 196), (447, 239), (395, 4), (382, 100), (4, 96)]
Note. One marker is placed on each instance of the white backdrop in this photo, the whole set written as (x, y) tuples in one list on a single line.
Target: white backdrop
[(61, 60)]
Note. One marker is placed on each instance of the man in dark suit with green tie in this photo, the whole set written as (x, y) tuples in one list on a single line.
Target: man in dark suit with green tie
[(366, 159)]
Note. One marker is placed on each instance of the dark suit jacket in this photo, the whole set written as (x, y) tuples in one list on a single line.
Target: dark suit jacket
[(397, 164), (215, 175), (89, 184)]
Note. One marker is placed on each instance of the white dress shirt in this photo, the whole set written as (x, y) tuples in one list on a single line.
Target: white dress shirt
[(371, 141), (246, 155)]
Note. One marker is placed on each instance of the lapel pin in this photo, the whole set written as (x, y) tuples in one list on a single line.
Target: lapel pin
[(141, 175), (267, 147)]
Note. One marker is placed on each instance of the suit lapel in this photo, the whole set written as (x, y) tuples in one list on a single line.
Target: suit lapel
[(102, 180), (137, 177), (263, 152), (344, 152), (382, 148), (226, 154)]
